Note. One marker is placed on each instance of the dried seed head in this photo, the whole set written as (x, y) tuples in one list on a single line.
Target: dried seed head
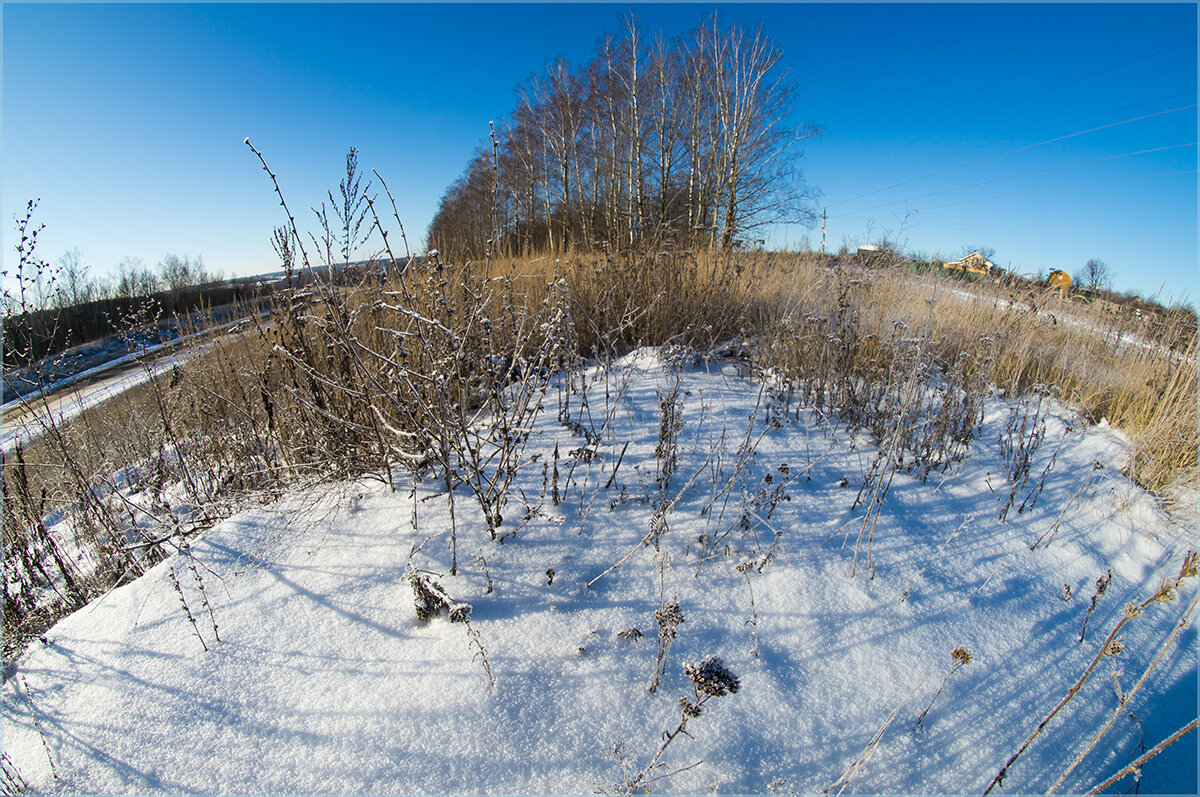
[(1114, 647), (961, 655), (691, 710), (1189, 566), (1166, 590), (1133, 610), (711, 677), (668, 618)]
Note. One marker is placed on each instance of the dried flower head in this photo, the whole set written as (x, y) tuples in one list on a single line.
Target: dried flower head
[(1166, 590), (711, 677), (1133, 610), (1189, 568), (691, 710), (961, 655), (1114, 647), (668, 618)]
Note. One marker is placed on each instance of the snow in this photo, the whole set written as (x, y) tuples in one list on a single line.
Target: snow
[(323, 680)]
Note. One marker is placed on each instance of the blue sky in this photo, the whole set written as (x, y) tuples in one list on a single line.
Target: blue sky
[(1014, 126)]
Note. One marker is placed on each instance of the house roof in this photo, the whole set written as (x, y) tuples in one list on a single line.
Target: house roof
[(973, 256)]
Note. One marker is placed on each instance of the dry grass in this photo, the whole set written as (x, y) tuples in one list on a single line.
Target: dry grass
[(361, 378)]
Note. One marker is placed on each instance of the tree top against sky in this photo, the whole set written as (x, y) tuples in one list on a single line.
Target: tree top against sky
[(1054, 133)]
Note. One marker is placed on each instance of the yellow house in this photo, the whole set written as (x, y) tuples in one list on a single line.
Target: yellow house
[(974, 263), (1059, 279)]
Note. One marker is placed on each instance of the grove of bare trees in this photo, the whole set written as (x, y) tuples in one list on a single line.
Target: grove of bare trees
[(689, 139)]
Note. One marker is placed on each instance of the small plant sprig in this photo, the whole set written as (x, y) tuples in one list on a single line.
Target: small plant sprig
[(744, 568), (1136, 766), (430, 600), (669, 618), (186, 548), (1018, 455), (1052, 532), (483, 564), (38, 724), (962, 657), (1115, 647), (670, 424), (1102, 584), (12, 782), (186, 609), (710, 678)]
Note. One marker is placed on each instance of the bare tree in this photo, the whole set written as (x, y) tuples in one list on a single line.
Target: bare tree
[(74, 285), (1095, 275), (176, 272), (134, 280), (756, 161), (688, 137), (988, 252)]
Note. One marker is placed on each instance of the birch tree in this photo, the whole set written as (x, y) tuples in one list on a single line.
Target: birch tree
[(692, 137)]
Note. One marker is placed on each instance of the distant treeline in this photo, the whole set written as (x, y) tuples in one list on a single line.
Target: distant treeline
[(690, 139), (32, 335)]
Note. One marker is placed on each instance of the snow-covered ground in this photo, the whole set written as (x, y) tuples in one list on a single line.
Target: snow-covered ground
[(324, 680)]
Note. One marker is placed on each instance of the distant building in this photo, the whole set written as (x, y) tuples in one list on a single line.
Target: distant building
[(974, 263), (871, 254), (1060, 280)]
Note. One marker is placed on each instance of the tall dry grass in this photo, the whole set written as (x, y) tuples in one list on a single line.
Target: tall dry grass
[(395, 370)]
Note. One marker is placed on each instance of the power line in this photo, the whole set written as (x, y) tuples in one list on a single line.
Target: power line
[(1027, 174), (1064, 187), (1040, 129), (1013, 151), (1021, 100)]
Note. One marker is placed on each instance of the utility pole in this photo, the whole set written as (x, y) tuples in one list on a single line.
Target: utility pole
[(823, 212)]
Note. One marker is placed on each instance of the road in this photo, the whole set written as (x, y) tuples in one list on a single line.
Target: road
[(28, 419)]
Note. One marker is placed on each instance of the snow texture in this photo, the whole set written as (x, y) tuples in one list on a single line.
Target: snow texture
[(324, 680)]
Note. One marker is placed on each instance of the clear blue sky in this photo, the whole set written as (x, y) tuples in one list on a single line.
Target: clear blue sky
[(128, 120)]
